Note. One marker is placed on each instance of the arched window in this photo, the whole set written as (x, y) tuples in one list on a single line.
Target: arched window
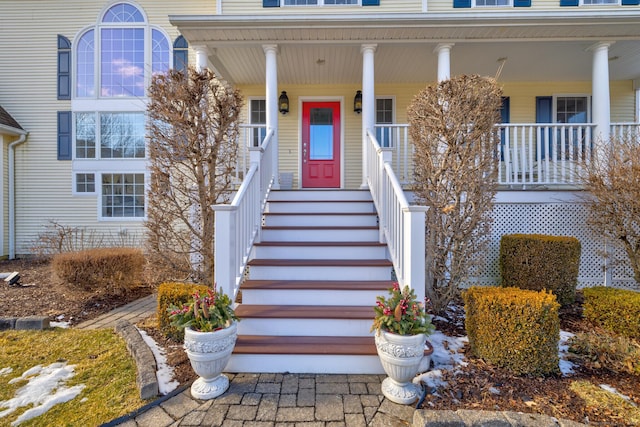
[(180, 54), (117, 57)]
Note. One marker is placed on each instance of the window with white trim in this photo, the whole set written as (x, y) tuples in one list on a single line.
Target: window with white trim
[(85, 183), (385, 115), (600, 2), (122, 195), (320, 2), (492, 3), (121, 135), (258, 116), (572, 109)]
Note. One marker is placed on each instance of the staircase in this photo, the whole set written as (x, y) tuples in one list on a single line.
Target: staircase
[(307, 303)]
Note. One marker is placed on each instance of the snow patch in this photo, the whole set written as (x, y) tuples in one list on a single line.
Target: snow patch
[(44, 389), (5, 371), (610, 389), (166, 383), (566, 367), (63, 325)]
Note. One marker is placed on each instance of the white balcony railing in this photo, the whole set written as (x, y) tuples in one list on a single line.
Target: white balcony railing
[(401, 225), (625, 129), (238, 224), (529, 154)]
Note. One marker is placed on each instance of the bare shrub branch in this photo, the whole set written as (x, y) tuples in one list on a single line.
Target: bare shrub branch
[(452, 125), (613, 181), (193, 128)]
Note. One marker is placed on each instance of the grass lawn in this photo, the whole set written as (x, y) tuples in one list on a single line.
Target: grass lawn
[(103, 371)]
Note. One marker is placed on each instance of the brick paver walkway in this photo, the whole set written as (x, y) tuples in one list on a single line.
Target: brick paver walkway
[(291, 400)]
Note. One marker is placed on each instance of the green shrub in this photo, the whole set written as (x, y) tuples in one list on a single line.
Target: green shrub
[(113, 270), (616, 310), (514, 328), (173, 293), (536, 262), (606, 351)]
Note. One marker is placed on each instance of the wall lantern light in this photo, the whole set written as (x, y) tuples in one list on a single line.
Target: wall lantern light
[(283, 103), (357, 102)]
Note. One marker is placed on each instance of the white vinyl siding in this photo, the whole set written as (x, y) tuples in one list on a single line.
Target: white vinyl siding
[(28, 76)]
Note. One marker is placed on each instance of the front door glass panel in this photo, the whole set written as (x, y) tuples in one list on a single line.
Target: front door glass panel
[(321, 134)]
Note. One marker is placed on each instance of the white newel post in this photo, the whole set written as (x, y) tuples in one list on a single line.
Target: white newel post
[(368, 103), (414, 241), (225, 247), (600, 91), (271, 94), (202, 57), (444, 61)]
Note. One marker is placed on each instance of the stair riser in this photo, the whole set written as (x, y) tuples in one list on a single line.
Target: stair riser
[(330, 235), (321, 220), (305, 297), (308, 327), (320, 195), (300, 364), (320, 252), (258, 272), (327, 207)]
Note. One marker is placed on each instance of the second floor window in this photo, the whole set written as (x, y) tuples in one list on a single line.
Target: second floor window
[(116, 57), (320, 2), (110, 136)]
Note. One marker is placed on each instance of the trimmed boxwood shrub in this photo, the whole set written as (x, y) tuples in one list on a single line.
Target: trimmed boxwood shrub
[(113, 270), (616, 310), (173, 293), (537, 262), (514, 328)]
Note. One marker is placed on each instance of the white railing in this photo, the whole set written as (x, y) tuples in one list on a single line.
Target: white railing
[(238, 224), (627, 129), (396, 137), (402, 226), (250, 135), (541, 154), (529, 154)]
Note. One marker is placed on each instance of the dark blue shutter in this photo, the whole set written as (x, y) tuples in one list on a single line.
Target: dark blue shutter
[(64, 135), (544, 114), (461, 3), (64, 68), (270, 3), (522, 3), (569, 2), (371, 2), (630, 2)]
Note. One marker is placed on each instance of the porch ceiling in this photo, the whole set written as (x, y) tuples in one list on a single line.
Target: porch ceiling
[(326, 49)]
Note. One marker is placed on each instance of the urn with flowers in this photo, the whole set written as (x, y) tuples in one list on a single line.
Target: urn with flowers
[(402, 326), (210, 332)]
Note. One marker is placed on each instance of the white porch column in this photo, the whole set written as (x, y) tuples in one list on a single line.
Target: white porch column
[(444, 60), (202, 57), (271, 95), (601, 114), (368, 103)]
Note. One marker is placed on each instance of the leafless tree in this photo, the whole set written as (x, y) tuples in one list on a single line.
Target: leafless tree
[(193, 127), (612, 179), (452, 125)]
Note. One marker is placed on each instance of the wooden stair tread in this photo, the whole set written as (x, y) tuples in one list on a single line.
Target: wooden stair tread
[(319, 227), (323, 244), (320, 213), (258, 344), (304, 312), (262, 262), (318, 284)]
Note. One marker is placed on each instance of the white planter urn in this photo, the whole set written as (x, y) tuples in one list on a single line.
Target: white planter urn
[(401, 357), (209, 353)]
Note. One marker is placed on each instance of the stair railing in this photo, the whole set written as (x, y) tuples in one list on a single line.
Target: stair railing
[(238, 224), (402, 226)]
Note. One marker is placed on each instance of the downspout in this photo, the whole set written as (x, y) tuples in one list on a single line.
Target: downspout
[(12, 196)]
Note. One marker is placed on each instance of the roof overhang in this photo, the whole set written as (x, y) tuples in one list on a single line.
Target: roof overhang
[(235, 41)]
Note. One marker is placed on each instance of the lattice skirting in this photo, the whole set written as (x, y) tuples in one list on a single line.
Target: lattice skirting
[(560, 214)]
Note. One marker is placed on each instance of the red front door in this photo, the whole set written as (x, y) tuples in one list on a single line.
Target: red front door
[(321, 145)]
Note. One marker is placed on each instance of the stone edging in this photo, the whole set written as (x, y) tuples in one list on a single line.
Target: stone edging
[(32, 323), (464, 418), (146, 378)]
